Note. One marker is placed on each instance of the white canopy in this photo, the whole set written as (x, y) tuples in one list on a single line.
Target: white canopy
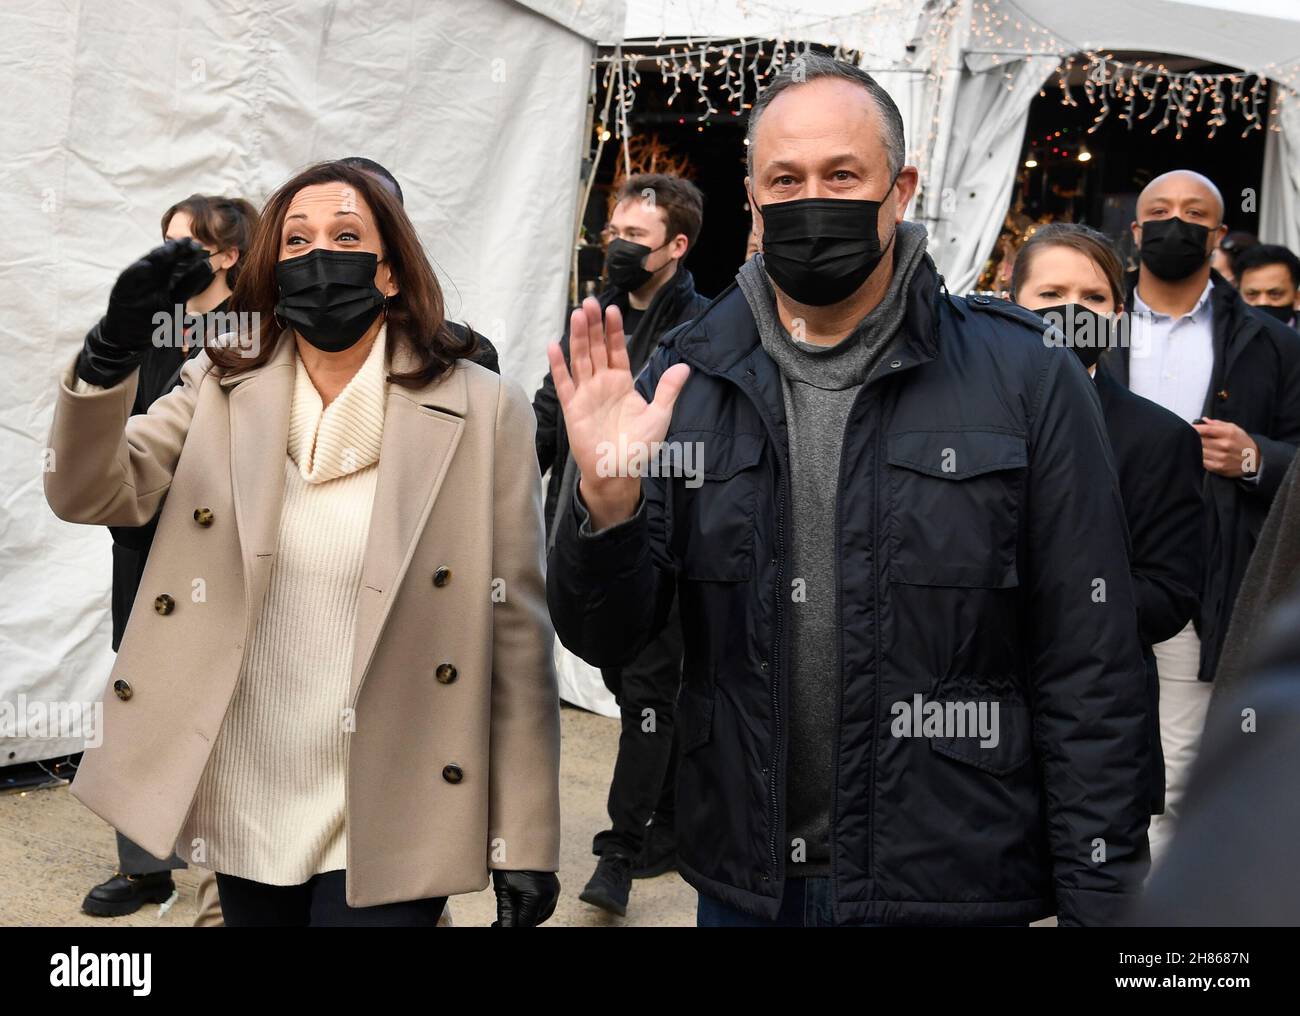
[(984, 115), (113, 112), (965, 95)]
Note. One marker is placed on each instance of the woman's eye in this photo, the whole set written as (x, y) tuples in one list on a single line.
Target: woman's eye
[(348, 235), (292, 240)]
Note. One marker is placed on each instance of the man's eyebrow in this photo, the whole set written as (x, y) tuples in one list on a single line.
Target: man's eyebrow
[(779, 164), (839, 158)]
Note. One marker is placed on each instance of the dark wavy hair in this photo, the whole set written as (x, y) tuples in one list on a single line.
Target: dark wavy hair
[(416, 314), (218, 222)]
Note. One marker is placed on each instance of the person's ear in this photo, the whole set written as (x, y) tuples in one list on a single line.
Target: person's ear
[(756, 219), (679, 246), (905, 189), (225, 259), (1217, 234), (385, 281), (1136, 229)]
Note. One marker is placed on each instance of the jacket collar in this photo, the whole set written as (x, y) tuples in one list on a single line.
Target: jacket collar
[(447, 392), (1232, 327), (726, 333), (421, 432)]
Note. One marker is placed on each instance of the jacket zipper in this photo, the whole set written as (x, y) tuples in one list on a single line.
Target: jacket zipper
[(839, 608), (778, 869), (875, 685)]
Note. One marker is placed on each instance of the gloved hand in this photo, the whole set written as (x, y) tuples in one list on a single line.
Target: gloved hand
[(115, 346), (525, 899), (192, 275)]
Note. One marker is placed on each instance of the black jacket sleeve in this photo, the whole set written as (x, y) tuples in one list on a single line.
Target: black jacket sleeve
[(610, 592), (546, 407), (1165, 518), (1278, 447), (1087, 682)]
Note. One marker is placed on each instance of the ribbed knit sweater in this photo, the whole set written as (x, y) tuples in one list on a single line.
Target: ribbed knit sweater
[(270, 804)]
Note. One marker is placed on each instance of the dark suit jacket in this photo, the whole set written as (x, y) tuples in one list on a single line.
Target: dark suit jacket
[(1158, 459), (1256, 385)]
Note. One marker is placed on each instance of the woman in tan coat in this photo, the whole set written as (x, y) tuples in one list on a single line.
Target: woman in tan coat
[(336, 686)]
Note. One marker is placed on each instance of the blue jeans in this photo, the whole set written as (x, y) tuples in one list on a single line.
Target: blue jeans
[(805, 904)]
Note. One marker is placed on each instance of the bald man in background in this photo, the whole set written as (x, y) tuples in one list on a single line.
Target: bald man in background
[(1198, 349)]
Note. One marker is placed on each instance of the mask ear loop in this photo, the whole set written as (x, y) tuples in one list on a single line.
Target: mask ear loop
[(883, 199)]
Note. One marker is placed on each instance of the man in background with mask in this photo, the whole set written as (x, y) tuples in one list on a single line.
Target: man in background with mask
[(907, 696), (654, 225), (1268, 278), (1233, 373)]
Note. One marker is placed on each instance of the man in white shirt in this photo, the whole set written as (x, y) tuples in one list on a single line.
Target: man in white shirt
[(1198, 350)]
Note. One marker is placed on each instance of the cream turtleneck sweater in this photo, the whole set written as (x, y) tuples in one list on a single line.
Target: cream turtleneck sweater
[(270, 805)]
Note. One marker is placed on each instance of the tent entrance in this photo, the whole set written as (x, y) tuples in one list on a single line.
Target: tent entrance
[(1066, 174)]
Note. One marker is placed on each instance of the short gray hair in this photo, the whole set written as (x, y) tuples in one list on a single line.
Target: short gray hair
[(808, 66)]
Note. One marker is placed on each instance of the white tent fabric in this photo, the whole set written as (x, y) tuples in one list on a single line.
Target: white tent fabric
[(987, 132), (1279, 207), (1255, 35), (114, 111)]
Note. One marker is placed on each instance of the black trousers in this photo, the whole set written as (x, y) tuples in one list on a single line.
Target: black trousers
[(133, 859), (317, 903), (645, 770)]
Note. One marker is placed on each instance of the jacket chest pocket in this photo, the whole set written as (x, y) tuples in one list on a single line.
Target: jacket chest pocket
[(714, 504), (954, 510)]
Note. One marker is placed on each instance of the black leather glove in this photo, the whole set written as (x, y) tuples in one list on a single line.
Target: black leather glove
[(115, 346), (192, 275), (525, 899)]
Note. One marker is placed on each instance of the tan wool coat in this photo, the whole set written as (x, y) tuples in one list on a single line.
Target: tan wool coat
[(453, 764)]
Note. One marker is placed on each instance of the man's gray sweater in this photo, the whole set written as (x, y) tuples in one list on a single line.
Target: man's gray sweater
[(820, 385)]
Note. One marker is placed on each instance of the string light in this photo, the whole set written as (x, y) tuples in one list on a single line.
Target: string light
[(725, 71)]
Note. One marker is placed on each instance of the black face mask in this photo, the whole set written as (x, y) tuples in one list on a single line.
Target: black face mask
[(1283, 314), (820, 250), (625, 264), (1173, 249), (329, 296), (1087, 332)]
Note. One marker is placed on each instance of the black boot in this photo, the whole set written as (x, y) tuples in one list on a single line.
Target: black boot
[(610, 885), (125, 894), (658, 852)]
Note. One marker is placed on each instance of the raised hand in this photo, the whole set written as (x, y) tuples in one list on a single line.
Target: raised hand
[(117, 343), (606, 418), (145, 287)]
